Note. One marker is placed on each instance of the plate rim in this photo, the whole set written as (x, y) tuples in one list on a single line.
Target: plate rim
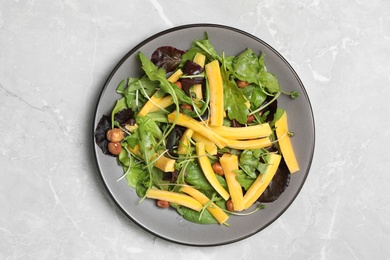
[(183, 27)]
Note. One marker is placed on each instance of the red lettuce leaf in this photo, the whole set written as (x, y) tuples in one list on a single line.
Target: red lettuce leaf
[(100, 134), (124, 117), (192, 68), (278, 185), (187, 83), (167, 57)]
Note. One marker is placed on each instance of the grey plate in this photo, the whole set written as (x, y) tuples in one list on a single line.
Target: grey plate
[(167, 224)]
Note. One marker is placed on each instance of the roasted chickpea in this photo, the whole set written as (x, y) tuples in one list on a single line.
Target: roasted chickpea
[(217, 168), (250, 118), (242, 84), (229, 205), (162, 204), (178, 84), (115, 135), (186, 107), (115, 148)]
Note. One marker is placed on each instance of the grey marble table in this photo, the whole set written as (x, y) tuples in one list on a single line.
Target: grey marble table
[(54, 59)]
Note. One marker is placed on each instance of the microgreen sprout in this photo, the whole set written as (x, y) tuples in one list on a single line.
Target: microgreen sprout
[(209, 203), (146, 95), (292, 94), (200, 75), (136, 97), (265, 105), (259, 207)]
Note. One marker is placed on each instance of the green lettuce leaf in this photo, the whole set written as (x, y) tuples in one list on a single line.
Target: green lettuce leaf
[(244, 180), (119, 106), (248, 67), (159, 74), (234, 99), (195, 177)]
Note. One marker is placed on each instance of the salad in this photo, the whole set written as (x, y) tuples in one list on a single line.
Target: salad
[(201, 132)]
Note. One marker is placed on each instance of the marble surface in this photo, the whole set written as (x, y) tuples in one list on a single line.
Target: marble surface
[(54, 59)]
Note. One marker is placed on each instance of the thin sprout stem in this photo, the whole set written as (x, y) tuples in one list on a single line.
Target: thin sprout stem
[(146, 95), (158, 157), (265, 91), (124, 130), (188, 157), (266, 105), (124, 175), (195, 108), (277, 140), (199, 116), (244, 214), (129, 154), (173, 184), (200, 75), (136, 98)]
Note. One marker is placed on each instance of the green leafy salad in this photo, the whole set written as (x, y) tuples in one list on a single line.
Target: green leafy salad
[(201, 132)]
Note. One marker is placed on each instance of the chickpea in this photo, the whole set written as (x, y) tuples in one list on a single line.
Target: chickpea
[(250, 118), (242, 84), (186, 107), (229, 205), (115, 148), (115, 135), (178, 84), (162, 204), (217, 168)]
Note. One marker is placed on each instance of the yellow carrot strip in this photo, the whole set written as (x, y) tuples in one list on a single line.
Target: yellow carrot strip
[(210, 147), (260, 184), (165, 164), (174, 197), (249, 132), (248, 144), (214, 77), (285, 145), (199, 59), (213, 208), (229, 164), (149, 105), (131, 128), (134, 150), (197, 89), (175, 76), (189, 122), (208, 171), (162, 103), (184, 143)]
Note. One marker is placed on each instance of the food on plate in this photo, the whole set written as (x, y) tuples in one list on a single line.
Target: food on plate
[(201, 132)]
